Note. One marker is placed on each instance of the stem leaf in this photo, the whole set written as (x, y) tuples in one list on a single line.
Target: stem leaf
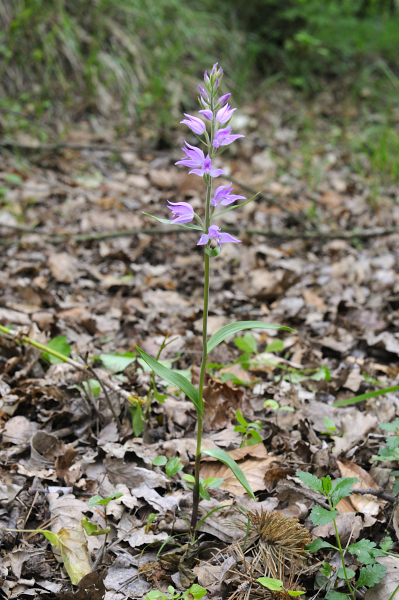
[(226, 459), (233, 328), (322, 516), (173, 378), (167, 222), (221, 212)]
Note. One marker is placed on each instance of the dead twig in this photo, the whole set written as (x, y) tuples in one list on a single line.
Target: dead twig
[(283, 235), (307, 495), (378, 494)]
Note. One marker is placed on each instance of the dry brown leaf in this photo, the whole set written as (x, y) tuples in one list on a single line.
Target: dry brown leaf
[(313, 299), (345, 506), (349, 527), (221, 402), (367, 504), (19, 430), (63, 267), (90, 587), (63, 466), (355, 427)]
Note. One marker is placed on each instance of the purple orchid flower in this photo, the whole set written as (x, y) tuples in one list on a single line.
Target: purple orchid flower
[(182, 212), (196, 158), (214, 234), (195, 124), (208, 114), (224, 114), (223, 137), (222, 196)]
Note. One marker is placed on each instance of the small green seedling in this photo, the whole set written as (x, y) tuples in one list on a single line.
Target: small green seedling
[(330, 426), (205, 484), (247, 344), (150, 519), (274, 405), (276, 585), (196, 591), (93, 529), (250, 430), (172, 466)]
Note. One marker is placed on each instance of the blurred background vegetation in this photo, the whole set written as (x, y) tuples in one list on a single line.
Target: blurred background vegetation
[(61, 60)]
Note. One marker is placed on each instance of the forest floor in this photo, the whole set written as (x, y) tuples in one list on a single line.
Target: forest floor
[(319, 254)]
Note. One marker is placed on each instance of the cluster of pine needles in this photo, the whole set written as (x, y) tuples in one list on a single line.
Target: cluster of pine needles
[(274, 547)]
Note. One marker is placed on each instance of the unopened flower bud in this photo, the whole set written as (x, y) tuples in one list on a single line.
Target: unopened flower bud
[(223, 99)]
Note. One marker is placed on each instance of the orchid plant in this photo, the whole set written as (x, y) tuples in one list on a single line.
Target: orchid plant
[(214, 132)]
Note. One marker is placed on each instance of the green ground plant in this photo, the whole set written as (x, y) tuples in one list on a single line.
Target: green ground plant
[(391, 450), (250, 431), (195, 592), (365, 551)]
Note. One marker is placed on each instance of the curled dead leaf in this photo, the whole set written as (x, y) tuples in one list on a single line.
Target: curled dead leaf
[(367, 504)]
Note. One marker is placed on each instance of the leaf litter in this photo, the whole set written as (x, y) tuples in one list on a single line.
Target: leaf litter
[(96, 299)]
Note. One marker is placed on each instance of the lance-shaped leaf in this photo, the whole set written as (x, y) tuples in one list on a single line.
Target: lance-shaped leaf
[(233, 328), (93, 529), (366, 396), (221, 212), (167, 222), (226, 459), (174, 379)]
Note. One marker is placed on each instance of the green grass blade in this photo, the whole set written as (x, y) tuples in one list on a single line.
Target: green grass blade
[(173, 378), (227, 330), (226, 459), (366, 396)]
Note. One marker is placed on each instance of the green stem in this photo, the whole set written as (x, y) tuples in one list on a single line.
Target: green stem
[(150, 395), (196, 494), (352, 593), (34, 343), (202, 372)]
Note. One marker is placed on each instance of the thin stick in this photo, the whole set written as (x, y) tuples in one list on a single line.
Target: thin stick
[(31, 508), (377, 493), (106, 382), (286, 234), (307, 495)]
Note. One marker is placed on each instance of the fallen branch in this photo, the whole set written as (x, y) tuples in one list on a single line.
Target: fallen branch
[(307, 495), (64, 146), (287, 234), (378, 494)]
